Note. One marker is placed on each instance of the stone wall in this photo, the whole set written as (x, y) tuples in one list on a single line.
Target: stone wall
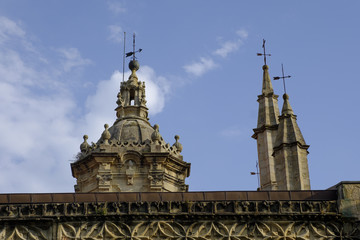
[(199, 215)]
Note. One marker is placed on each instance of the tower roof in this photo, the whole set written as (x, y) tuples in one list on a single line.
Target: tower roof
[(267, 87), (288, 131)]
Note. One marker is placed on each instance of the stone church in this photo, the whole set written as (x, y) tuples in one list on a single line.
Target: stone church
[(131, 185)]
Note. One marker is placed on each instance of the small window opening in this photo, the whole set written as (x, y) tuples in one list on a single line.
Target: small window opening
[(132, 97)]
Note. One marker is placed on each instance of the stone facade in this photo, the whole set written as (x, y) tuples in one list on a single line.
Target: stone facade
[(131, 155), (193, 215)]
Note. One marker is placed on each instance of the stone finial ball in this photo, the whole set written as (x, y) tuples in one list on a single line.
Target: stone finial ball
[(265, 67), (177, 137), (134, 65), (156, 127), (85, 137), (106, 126), (286, 97)]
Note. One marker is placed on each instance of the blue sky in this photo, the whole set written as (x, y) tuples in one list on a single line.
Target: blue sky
[(61, 63)]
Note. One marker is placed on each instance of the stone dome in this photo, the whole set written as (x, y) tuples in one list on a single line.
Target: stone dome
[(131, 131)]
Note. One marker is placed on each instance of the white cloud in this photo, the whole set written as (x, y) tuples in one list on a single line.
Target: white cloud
[(116, 33), (201, 67), (9, 28), (228, 47), (206, 63), (232, 46), (40, 118), (116, 7), (242, 33), (233, 131), (36, 118), (72, 59)]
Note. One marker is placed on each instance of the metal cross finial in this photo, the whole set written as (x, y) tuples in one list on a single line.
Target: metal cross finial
[(283, 77), (133, 52), (264, 54)]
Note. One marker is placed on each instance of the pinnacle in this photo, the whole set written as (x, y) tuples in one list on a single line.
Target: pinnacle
[(267, 85), (286, 107)]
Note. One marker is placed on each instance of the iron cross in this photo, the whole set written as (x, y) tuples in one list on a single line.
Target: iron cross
[(133, 52), (283, 77), (264, 54)]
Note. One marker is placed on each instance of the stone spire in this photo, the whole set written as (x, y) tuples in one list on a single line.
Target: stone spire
[(290, 152), (266, 131), (131, 155)]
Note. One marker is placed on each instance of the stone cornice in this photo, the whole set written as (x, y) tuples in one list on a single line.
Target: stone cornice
[(284, 145), (268, 95), (263, 128), (172, 209)]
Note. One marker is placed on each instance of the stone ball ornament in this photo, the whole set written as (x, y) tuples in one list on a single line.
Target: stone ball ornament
[(134, 65)]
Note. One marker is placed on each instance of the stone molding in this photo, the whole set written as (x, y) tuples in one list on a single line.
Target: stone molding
[(263, 219), (156, 229), (172, 209)]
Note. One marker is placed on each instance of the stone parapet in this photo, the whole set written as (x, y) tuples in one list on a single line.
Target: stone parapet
[(349, 198), (182, 215)]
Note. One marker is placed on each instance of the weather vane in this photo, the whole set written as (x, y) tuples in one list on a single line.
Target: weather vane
[(283, 77), (133, 52), (258, 175), (264, 54)]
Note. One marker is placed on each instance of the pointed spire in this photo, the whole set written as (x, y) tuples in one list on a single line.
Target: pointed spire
[(266, 130), (290, 152), (268, 106), (286, 109), (267, 87), (288, 131)]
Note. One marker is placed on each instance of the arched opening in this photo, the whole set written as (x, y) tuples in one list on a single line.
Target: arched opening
[(132, 97)]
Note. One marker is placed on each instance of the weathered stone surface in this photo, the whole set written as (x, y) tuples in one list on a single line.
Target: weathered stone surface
[(177, 220), (349, 202)]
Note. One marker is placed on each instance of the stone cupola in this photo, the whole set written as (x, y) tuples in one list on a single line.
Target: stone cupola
[(131, 155)]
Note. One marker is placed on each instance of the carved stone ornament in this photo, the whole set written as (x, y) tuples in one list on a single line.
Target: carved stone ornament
[(290, 230), (177, 220)]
